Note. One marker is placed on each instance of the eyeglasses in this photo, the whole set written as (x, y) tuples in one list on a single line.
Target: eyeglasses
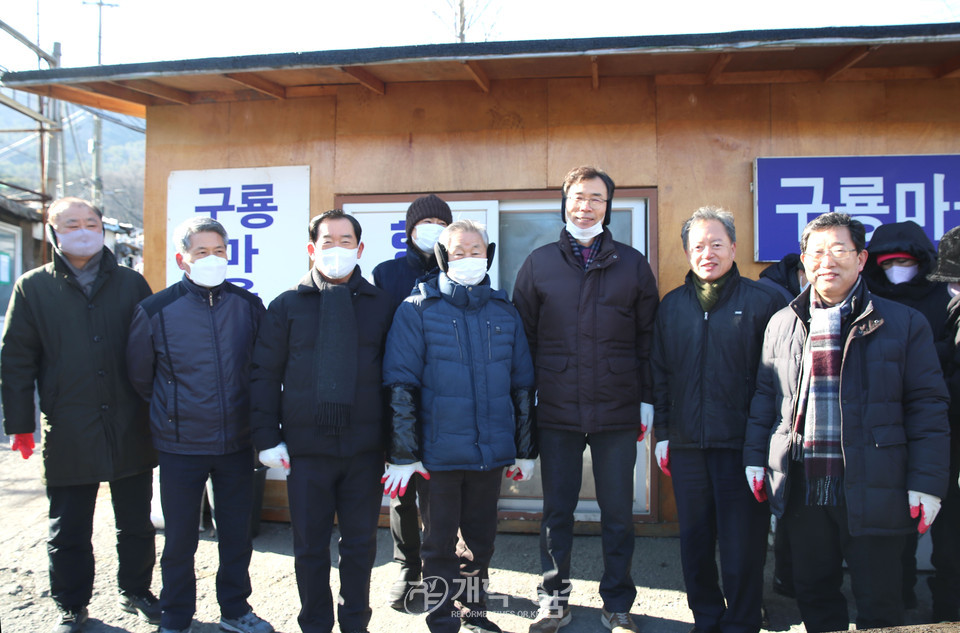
[(838, 253), (593, 203)]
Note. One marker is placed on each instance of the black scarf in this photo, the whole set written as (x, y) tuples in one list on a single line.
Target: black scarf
[(336, 349)]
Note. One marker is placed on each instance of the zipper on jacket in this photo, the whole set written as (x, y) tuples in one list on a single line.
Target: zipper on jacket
[(706, 334), (456, 330), (489, 342), (216, 363)]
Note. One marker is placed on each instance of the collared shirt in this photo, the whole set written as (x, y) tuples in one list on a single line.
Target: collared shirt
[(586, 253)]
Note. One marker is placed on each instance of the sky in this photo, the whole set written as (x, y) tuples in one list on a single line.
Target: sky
[(163, 30)]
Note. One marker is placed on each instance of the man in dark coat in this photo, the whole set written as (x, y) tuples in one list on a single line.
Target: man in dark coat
[(706, 348), (189, 357), (786, 276), (426, 218), (945, 533), (66, 333), (848, 428), (900, 258), (588, 305), (316, 409)]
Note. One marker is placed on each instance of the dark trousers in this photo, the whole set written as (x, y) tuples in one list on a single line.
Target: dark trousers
[(452, 500), (182, 484), (715, 506), (405, 529), (614, 454), (945, 536), (69, 545), (820, 540), (320, 487)]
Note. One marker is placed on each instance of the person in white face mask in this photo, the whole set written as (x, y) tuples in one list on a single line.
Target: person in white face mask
[(317, 369), (900, 258), (460, 378), (588, 304), (426, 218), (66, 333), (188, 355)]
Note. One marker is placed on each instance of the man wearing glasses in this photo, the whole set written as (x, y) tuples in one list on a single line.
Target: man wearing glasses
[(588, 305), (848, 429)]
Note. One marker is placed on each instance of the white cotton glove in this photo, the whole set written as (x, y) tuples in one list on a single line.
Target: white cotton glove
[(662, 453), (755, 475), (925, 506), (276, 457), (646, 419), (522, 470), (397, 476)]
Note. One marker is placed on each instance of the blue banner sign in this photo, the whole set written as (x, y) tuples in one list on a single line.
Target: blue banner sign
[(789, 192)]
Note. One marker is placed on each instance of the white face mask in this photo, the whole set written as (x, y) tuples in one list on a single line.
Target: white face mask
[(427, 235), (81, 243), (468, 271), (901, 274), (336, 262), (584, 235), (209, 271)]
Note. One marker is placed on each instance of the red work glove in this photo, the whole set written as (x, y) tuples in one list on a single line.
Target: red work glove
[(925, 506), (755, 475), (23, 442), (646, 419), (662, 452)]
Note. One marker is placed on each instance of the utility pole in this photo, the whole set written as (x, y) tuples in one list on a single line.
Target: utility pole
[(97, 149)]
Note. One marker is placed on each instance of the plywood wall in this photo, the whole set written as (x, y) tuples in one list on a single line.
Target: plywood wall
[(694, 144)]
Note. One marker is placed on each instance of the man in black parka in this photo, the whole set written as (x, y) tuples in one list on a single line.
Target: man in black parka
[(316, 409), (706, 348), (66, 334)]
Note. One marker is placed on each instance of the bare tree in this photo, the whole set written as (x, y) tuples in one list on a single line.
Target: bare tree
[(465, 15)]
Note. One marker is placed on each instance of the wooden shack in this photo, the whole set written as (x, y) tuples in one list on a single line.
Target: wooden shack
[(678, 121)]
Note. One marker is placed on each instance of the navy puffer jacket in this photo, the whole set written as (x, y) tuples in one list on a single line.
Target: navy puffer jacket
[(189, 355), (464, 350)]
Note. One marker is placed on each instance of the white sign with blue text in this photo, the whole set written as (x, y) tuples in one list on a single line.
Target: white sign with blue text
[(789, 192), (265, 211)]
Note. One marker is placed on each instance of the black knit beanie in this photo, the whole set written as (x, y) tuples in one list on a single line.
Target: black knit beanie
[(427, 207)]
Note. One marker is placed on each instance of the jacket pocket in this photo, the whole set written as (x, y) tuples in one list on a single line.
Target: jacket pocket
[(622, 364), (888, 435), (552, 363)]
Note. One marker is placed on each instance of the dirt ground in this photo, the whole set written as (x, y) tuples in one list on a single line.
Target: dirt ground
[(25, 606)]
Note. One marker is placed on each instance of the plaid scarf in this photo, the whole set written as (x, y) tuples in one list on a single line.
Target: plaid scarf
[(816, 429), (586, 254)]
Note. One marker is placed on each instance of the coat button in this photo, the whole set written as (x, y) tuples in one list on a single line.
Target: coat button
[(100, 372), (104, 407), (97, 338)]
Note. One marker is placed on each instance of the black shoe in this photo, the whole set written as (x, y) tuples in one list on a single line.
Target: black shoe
[(399, 597), (147, 607), (479, 624), (71, 621), (783, 587)]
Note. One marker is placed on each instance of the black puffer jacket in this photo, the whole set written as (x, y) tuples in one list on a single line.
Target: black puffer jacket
[(589, 333), (284, 380), (189, 356), (399, 277), (705, 363), (893, 415), (782, 275), (929, 297), (74, 348)]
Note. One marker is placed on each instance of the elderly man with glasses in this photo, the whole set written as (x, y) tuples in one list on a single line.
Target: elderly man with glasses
[(848, 431)]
